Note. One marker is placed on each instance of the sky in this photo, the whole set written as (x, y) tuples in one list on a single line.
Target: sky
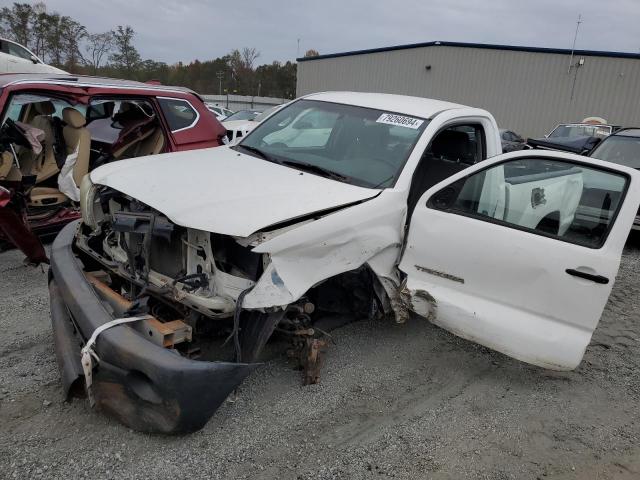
[(185, 30)]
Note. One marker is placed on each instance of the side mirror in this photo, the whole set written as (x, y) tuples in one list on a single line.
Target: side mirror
[(35, 59), (445, 198)]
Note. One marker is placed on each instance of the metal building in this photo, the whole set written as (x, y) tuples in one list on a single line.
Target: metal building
[(528, 90)]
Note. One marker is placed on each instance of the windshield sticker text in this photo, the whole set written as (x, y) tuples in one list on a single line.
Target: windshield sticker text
[(400, 121)]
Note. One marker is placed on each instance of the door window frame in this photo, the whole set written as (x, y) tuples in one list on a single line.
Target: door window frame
[(191, 125), (473, 122), (623, 195), (477, 125), (45, 94), (149, 100)]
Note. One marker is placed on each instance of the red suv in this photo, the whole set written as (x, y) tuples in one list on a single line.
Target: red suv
[(57, 128)]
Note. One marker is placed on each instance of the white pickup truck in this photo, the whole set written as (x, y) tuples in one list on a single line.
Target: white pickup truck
[(340, 205)]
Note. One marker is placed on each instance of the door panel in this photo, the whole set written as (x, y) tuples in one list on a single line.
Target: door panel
[(488, 258)]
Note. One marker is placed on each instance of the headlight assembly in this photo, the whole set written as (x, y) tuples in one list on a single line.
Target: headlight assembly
[(87, 196)]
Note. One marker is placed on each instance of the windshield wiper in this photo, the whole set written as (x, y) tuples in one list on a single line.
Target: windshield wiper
[(310, 167), (260, 153)]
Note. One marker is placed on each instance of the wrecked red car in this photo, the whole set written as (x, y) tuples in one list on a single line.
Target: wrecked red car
[(57, 128)]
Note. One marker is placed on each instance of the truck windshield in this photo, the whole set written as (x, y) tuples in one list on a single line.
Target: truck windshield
[(361, 146), (619, 149)]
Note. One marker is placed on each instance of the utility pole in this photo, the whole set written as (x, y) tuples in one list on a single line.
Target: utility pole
[(298, 54), (573, 47), (220, 75)]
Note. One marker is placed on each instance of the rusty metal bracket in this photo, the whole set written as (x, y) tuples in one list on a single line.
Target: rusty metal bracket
[(164, 334), (307, 349), (313, 359)]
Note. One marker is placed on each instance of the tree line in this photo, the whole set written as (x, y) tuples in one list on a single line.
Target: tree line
[(61, 41)]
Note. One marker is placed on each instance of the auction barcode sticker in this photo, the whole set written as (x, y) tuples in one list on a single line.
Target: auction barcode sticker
[(400, 120)]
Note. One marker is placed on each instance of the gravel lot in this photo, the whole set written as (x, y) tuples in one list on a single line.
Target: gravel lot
[(409, 401)]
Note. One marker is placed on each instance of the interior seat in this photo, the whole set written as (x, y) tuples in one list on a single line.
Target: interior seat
[(77, 137), (43, 165), (452, 146), (153, 144), (8, 171), (131, 148), (46, 196), (449, 152), (139, 134)]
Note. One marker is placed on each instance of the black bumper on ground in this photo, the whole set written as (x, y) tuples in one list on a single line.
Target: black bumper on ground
[(144, 386)]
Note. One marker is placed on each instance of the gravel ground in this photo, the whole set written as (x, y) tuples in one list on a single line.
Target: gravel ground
[(409, 401)]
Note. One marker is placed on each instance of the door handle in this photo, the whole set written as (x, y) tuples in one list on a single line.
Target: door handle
[(588, 276)]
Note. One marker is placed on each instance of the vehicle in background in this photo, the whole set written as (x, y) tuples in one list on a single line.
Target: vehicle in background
[(80, 123), (220, 112), (14, 58), (511, 141), (238, 129), (242, 115), (623, 148), (594, 121), (265, 113), (578, 138), (573, 130), (342, 204)]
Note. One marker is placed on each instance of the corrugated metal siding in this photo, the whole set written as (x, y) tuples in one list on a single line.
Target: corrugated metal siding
[(528, 92)]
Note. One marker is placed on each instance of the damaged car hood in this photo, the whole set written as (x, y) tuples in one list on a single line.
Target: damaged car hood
[(223, 191)]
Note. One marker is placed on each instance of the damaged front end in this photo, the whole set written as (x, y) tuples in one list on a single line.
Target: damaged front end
[(144, 377), (195, 343)]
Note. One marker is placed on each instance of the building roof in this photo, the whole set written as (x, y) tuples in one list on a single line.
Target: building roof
[(7, 79), (416, 106), (485, 46)]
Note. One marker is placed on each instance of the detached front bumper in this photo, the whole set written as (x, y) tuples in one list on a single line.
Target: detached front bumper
[(146, 387)]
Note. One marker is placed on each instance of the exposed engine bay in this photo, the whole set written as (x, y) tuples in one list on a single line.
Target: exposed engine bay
[(190, 281)]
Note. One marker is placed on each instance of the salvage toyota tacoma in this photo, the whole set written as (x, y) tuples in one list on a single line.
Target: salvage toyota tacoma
[(340, 206)]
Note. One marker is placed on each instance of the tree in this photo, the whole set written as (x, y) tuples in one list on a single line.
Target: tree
[(311, 53), (242, 71), (125, 56), (17, 22), (40, 25), (54, 42), (72, 35), (249, 56), (98, 45), (277, 79), (62, 41)]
